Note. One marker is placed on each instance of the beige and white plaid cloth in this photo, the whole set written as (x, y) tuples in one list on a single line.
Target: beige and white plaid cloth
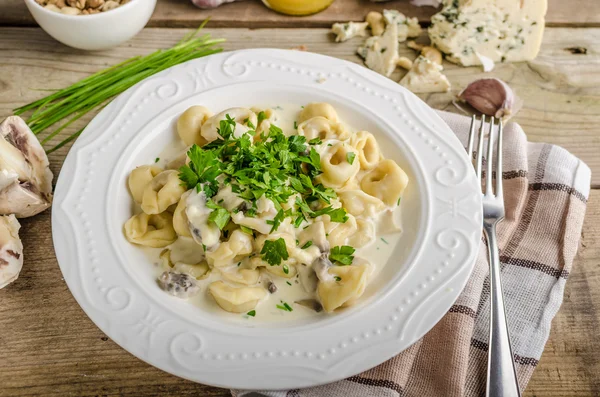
[(546, 190)]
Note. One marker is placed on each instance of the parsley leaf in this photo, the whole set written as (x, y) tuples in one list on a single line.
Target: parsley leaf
[(251, 313), (308, 244), (226, 127), (297, 143), (188, 177), (247, 230), (342, 255), (350, 157), (220, 216), (274, 251), (261, 116), (336, 214)]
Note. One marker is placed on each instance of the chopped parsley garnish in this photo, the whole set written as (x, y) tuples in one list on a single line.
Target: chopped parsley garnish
[(274, 166), (156, 160), (308, 244), (336, 214), (337, 278), (399, 199), (315, 141), (342, 255), (384, 240), (274, 251), (350, 156), (220, 216), (288, 283), (286, 269), (261, 116), (284, 306), (246, 230), (251, 313), (295, 125)]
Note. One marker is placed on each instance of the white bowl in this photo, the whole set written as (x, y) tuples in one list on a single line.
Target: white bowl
[(98, 31)]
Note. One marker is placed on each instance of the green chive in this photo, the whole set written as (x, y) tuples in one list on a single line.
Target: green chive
[(97, 90)]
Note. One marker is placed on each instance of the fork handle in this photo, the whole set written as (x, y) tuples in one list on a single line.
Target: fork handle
[(501, 374)]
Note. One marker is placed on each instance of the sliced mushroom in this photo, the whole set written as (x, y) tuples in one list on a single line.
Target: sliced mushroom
[(321, 267), (25, 176), (312, 304), (180, 285), (11, 250)]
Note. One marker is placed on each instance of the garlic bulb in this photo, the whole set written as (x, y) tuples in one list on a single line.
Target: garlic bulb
[(11, 250), (492, 97), (25, 176)]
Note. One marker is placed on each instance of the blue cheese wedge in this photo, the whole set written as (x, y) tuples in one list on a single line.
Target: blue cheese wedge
[(469, 31), (348, 30), (407, 27), (381, 52), (425, 76)]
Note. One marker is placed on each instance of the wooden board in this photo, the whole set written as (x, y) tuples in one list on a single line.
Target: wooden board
[(560, 108), (252, 14), (49, 347)]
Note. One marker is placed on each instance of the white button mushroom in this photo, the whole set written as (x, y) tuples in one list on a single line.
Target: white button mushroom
[(11, 250), (25, 176)]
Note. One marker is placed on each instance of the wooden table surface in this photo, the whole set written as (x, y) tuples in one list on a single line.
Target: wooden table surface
[(48, 346)]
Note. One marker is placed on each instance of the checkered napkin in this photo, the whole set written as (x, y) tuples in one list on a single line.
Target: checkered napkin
[(545, 194)]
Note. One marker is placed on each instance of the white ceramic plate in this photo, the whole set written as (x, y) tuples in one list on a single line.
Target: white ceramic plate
[(111, 279)]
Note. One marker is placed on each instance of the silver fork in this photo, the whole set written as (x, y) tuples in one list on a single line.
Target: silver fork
[(501, 374)]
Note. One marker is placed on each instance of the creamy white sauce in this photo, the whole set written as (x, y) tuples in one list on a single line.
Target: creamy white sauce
[(291, 290)]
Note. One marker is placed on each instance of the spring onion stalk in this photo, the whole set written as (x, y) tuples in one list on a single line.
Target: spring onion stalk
[(96, 91)]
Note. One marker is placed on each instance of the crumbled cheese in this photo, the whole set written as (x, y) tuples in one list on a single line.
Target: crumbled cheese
[(348, 30), (425, 76), (501, 30), (407, 27), (381, 52)]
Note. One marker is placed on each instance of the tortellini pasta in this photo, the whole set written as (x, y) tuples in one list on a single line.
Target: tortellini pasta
[(322, 128), (180, 219), (337, 233), (151, 230), (164, 190), (266, 220), (236, 299), (337, 169), (386, 181), (270, 117), (320, 109), (139, 178), (365, 233), (239, 244), (242, 117), (349, 284), (242, 276), (368, 150), (358, 203), (189, 125)]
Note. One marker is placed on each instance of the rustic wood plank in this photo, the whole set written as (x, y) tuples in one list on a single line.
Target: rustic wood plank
[(43, 332), (560, 108), (252, 14)]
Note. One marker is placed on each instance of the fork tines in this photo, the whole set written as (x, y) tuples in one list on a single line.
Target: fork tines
[(479, 153)]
